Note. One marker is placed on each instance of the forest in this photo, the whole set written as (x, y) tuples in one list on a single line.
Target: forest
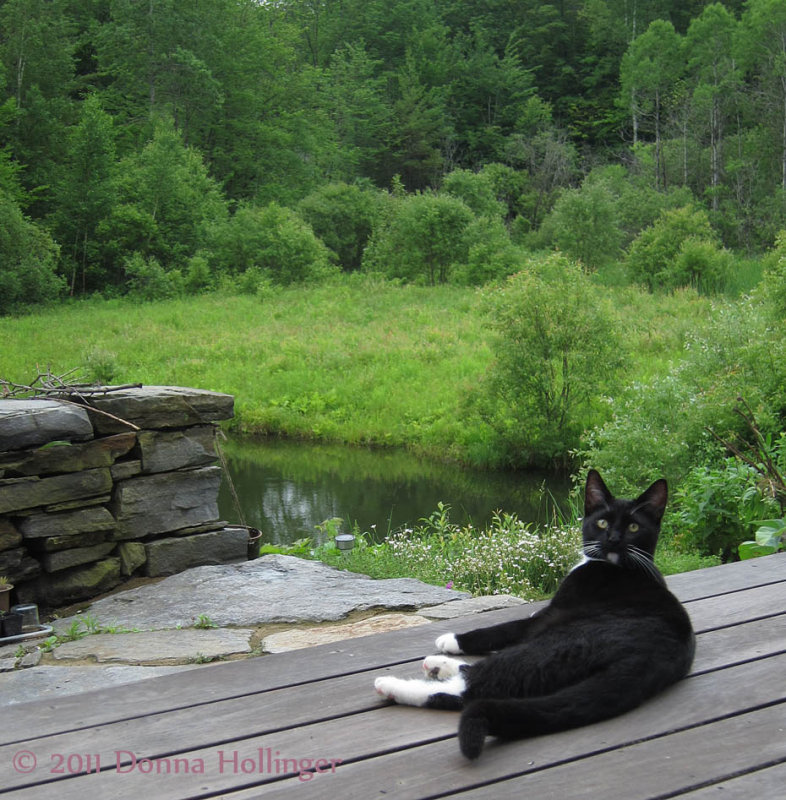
[(155, 145), (579, 205)]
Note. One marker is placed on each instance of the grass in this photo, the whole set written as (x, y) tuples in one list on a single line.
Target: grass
[(356, 360)]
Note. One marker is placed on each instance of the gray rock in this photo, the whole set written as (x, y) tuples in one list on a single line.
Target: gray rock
[(65, 559), (31, 423), (61, 588), (31, 659), (271, 589), (166, 502), (132, 556), (9, 535), (52, 544), (166, 451), (175, 554), (17, 565), (68, 457), (156, 647), (68, 523), (17, 494), (160, 407), (124, 470), (472, 605)]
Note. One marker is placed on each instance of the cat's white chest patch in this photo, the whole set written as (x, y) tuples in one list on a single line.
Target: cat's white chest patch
[(614, 558)]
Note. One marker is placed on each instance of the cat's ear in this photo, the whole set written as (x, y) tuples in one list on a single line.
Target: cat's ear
[(653, 501), (596, 495)]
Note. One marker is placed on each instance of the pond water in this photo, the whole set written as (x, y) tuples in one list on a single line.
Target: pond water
[(287, 488)]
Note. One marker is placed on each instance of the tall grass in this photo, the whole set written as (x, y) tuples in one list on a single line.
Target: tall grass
[(356, 360)]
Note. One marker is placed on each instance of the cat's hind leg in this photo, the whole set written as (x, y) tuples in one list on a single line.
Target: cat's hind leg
[(447, 694)]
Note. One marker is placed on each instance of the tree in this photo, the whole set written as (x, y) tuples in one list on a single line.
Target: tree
[(167, 203), (556, 350), (585, 224), (342, 216), (28, 260), (763, 50), (87, 189), (716, 77), (423, 237), (650, 67)]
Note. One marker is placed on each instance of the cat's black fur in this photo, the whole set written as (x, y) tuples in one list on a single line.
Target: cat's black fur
[(612, 636)]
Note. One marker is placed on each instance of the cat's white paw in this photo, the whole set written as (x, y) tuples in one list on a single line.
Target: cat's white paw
[(386, 686), (440, 668), (402, 691), (447, 644)]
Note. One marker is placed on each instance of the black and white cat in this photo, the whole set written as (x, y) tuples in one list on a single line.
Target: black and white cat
[(612, 636)]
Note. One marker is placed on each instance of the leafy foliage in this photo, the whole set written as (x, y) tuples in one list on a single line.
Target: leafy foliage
[(557, 349)]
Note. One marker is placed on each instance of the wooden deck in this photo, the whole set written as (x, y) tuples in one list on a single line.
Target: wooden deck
[(246, 729)]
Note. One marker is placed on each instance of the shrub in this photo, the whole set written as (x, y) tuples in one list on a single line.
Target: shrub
[(28, 258), (421, 238), (148, 280), (491, 254), (508, 556), (584, 224), (273, 239), (342, 216), (718, 507), (654, 257), (476, 189), (557, 349)]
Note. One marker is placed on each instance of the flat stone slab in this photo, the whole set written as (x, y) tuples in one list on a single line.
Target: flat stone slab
[(156, 647), (160, 407), (42, 682), (267, 590), (298, 638), (472, 605), (30, 423)]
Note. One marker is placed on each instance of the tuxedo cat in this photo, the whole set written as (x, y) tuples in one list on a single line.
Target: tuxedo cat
[(612, 636)]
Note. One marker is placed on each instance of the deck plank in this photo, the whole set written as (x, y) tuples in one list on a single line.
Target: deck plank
[(364, 737), (720, 729), (439, 767), (762, 784)]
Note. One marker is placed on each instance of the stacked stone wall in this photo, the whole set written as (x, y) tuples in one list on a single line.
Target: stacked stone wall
[(87, 502)]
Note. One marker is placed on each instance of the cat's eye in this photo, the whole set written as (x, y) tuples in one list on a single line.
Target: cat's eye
[(633, 527), (602, 524)]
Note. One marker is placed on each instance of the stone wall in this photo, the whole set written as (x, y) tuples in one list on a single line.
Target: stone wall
[(87, 501)]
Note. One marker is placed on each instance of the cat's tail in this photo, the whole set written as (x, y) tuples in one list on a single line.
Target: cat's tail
[(514, 718)]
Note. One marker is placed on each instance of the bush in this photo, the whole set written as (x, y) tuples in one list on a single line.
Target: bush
[(657, 259), (716, 508), (342, 216), (584, 224), (272, 239), (557, 350), (148, 280), (476, 189), (421, 238), (28, 258), (491, 254)]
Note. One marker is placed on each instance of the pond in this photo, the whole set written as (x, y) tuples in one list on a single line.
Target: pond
[(287, 488)]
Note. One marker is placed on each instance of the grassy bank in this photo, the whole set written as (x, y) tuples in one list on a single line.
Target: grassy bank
[(357, 360)]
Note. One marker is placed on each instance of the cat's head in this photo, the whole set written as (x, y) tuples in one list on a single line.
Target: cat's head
[(623, 532)]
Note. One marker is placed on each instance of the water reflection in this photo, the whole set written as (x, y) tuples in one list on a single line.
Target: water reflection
[(287, 488)]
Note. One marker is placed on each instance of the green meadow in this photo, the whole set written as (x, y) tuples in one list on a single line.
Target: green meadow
[(355, 360)]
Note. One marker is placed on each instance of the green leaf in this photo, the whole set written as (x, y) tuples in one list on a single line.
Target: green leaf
[(753, 550)]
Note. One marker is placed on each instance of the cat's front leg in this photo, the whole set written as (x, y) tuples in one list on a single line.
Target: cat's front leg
[(495, 637)]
